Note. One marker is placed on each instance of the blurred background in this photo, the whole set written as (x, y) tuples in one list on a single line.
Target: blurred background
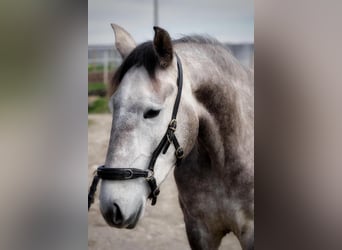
[(43, 117)]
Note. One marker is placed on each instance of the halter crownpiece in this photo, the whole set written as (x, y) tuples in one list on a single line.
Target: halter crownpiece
[(169, 137)]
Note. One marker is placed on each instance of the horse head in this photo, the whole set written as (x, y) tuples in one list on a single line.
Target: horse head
[(142, 97)]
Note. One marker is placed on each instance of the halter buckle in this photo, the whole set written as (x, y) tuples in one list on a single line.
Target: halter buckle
[(173, 125), (130, 174)]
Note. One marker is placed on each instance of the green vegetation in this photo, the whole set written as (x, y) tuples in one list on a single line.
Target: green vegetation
[(100, 105), (100, 67), (97, 88)]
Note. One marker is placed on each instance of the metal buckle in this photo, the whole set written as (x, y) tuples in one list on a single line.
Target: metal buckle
[(150, 174), (173, 124), (130, 174)]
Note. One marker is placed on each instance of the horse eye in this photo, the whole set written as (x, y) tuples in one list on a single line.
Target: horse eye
[(151, 113)]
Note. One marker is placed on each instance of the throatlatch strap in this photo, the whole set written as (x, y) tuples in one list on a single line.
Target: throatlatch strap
[(180, 87)]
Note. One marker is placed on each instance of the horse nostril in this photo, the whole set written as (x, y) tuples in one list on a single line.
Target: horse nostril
[(117, 215)]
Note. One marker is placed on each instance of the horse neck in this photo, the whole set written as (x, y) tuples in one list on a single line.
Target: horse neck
[(223, 98)]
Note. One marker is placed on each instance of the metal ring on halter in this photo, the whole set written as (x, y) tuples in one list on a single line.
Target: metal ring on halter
[(150, 174), (173, 124)]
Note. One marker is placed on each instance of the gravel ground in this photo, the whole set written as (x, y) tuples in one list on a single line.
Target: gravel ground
[(161, 228)]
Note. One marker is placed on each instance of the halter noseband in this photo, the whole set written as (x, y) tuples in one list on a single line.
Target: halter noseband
[(169, 137)]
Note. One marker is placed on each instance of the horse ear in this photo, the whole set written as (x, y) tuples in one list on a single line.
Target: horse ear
[(124, 42), (163, 46)]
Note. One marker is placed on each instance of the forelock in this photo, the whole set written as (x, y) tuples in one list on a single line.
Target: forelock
[(143, 55)]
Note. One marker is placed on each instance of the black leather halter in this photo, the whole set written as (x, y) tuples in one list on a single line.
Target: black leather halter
[(169, 137)]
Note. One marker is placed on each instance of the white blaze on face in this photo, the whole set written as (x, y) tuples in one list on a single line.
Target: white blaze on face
[(134, 138)]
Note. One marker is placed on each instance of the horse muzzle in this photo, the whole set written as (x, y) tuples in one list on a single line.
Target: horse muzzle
[(115, 216), (122, 202)]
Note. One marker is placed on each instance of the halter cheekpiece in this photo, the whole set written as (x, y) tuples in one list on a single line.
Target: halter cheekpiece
[(169, 137)]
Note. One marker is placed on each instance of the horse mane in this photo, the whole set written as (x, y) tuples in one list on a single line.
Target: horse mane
[(145, 55), (198, 39)]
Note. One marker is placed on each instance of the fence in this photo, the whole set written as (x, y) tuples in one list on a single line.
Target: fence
[(104, 59)]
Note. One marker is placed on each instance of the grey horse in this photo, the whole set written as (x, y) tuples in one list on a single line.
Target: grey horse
[(215, 128)]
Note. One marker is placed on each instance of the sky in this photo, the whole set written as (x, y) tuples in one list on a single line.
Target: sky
[(226, 20)]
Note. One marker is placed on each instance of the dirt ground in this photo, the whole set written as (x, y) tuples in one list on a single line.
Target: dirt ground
[(161, 228)]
